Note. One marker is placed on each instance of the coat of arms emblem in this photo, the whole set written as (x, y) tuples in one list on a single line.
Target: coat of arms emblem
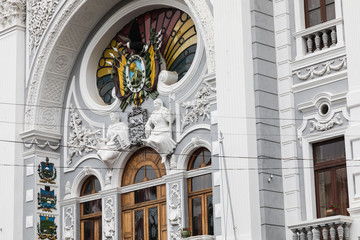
[(47, 228), (136, 68), (47, 199), (47, 172)]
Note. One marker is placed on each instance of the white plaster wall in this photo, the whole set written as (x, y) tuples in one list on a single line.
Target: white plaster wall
[(12, 65)]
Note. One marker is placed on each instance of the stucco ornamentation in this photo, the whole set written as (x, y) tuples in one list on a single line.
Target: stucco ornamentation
[(175, 211), (198, 107), (137, 120), (81, 139), (12, 12), (41, 145), (109, 219), (204, 16), (41, 12), (327, 68), (336, 120), (69, 224), (117, 140), (158, 131)]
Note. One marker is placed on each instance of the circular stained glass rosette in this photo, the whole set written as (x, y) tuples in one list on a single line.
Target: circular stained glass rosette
[(178, 46)]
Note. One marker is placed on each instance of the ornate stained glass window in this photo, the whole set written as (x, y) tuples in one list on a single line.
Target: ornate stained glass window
[(178, 47)]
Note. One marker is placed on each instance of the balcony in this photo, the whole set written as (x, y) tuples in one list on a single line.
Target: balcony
[(319, 38), (329, 228)]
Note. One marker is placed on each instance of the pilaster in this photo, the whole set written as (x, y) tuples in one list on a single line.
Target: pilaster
[(236, 121)]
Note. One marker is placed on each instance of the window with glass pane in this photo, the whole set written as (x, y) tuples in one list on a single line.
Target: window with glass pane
[(90, 211), (330, 176), (200, 195), (318, 11)]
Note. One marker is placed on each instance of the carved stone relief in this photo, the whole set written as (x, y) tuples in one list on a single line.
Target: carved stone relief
[(175, 211), (48, 118), (137, 119), (41, 12), (109, 219), (329, 66), (315, 125), (199, 107), (81, 139), (33, 141), (12, 12), (69, 224)]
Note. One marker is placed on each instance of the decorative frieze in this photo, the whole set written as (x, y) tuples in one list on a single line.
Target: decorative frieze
[(41, 145), (41, 13), (336, 120), (199, 107), (12, 12), (327, 68)]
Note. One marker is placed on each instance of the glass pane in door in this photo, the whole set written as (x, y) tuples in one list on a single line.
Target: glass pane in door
[(210, 219), (139, 225), (341, 191), (153, 223), (196, 216), (89, 230), (325, 197)]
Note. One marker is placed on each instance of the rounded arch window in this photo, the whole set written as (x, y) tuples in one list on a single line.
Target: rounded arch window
[(143, 213), (90, 211), (177, 51), (200, 201)]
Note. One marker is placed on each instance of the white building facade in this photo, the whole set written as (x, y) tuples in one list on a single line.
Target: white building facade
[(142, 119)]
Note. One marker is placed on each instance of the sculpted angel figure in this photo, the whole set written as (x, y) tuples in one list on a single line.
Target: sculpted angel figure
[(158, 131), (117, 139)]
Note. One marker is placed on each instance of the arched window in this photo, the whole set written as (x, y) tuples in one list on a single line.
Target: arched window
[(144, 210), (90, 211), (201, 218)]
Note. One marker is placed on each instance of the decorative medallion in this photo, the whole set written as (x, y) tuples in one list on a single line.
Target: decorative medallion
[(47, 227), (137, 120), (162, 39), (47, 199), (47, 172)]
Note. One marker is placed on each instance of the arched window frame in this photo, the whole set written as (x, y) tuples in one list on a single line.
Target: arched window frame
[(204, 194), (91, 200)]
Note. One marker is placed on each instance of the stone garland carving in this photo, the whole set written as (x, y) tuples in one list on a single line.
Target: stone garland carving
[(336, 120), (41, 145), (175, 212), (69, 224), (158, 131), (81, 139), (200, 106), (117, 140), (137, 119), (109, 219), (328, 67), (12, 12), (41, 13)]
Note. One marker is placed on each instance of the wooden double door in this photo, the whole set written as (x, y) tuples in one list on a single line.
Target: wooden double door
[(145, 223)]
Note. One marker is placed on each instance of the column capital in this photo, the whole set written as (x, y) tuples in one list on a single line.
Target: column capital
[(12, 12)]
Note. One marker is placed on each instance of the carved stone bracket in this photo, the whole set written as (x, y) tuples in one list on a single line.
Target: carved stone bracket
[(175, 211), (137, 120), (198, 107), (41, 13), (327, 68), (69, 224), (41, 145), (12, 12), (336, 120), (81, 139), (109, 219)]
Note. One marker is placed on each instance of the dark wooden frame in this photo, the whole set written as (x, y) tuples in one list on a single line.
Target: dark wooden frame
[(322, 11), (329, 165)]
